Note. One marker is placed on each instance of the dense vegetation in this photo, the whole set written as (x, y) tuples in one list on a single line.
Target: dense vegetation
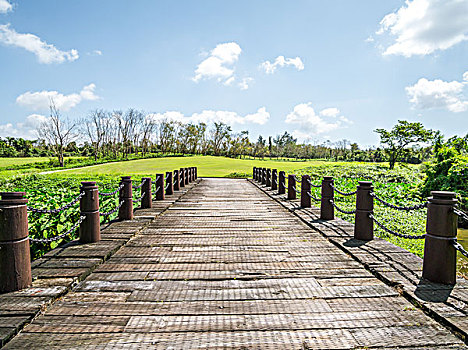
[(51, 192), (399, 186)]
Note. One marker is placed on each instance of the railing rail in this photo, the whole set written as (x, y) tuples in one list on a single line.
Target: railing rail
[(439, 263), (15, 239)]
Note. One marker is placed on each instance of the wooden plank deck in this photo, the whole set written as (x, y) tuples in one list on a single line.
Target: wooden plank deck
[(227, 267)]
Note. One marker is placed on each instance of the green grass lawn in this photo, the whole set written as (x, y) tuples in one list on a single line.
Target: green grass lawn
[(208, 166), (20, 161)]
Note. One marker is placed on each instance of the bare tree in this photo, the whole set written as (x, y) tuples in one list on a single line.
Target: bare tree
[(57, 132), (94, 127), (147, 129)]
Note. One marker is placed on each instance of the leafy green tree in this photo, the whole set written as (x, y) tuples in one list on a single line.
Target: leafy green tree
[(401, 136)]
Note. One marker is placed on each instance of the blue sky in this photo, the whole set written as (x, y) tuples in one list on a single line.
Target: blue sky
[(322, 70)]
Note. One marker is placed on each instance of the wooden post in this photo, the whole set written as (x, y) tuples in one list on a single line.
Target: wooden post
[(274, 179), (90, 227), (147, 200), (15, 259), (268, 178), (440, 256), (159, 187), (363, 224), (254, 173), (182, 177), (291, 186), (305, 191), (169, 183), (327, 211), (281, 183), (189, 174), (196, 173), (186, 176), (126, 195), (176, 180), (263, 176)]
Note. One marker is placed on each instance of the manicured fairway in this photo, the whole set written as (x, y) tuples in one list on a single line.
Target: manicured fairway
[(208, 166)]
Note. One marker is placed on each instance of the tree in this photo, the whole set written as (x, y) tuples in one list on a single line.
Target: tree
[(57, 132), (220, 137), (401, 136), (94, 126)]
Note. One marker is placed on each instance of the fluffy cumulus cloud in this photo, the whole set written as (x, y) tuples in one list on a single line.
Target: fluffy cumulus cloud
[(219, 64), (439, 94), (26, 129), (261, 116), (5, 6), (311, 123), (280, 61), (41, 100), (45, 53), (421, 27)]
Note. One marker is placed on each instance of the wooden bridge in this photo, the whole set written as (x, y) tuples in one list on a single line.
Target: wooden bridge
[(228, 263)]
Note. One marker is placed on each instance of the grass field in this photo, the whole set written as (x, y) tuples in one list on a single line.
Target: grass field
[(208, 166), (20, 161)]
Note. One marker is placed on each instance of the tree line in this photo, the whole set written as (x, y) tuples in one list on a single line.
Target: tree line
[(118, 134)]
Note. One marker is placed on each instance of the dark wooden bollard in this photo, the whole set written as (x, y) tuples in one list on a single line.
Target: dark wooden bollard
[(196, 173), (169, 183), (327, 211), (268, 178), (263, 176), (440, 257), (15, 259), (189, 174), (186, 176), (182, 177), (126, 195), (274, 179), (305, 191), (176, 180), (254, 174), (363, 224), (90, 227), (291, 186), (159, 187), (281, 182), (147, 200)]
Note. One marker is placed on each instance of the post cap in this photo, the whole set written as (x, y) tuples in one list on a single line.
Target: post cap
[(328, 178), (443, 197), (365, 183), (13, 198), (126, 178), (88, 183)]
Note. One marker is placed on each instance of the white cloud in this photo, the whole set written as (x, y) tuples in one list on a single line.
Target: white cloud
[(244, 84), (280, 61), (431, 94), (219, 64), (26, 129), (421, 27), (41, 100), (208, 116), (311, 123), (5, 6), (465, 76), (260, 117), (45, 53)]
